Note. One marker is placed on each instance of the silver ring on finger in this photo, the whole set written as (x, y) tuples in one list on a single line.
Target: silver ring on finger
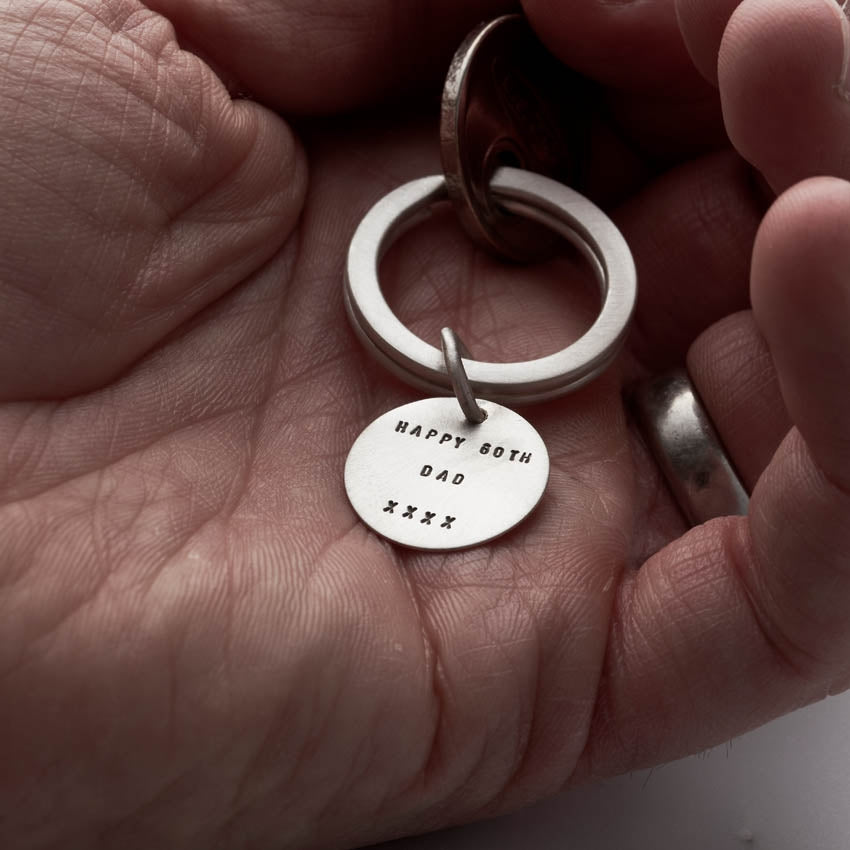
[(688, 450)]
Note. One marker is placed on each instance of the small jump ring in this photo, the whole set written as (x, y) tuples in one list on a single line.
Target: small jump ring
[(529, 195), (453, 352), (687, 449)]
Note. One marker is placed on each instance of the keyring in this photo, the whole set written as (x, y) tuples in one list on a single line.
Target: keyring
[(441, 473), (525, 194)]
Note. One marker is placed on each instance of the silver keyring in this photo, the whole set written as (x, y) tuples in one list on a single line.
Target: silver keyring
[(529, 195)]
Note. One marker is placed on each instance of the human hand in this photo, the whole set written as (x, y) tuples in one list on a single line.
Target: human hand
[(201, 646)]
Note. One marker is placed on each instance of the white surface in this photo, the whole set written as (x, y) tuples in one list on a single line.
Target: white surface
[(785, 786)]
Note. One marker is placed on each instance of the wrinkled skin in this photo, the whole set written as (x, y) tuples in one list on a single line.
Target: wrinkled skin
[(200, 645)]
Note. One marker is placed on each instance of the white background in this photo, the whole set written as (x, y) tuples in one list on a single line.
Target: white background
[(785, 786)]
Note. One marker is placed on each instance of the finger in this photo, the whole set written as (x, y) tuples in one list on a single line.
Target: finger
[(691, 233), (669, 129), (658, 99), (632, 46), (702, 23), (134, 191), (741, 620), (734, 374), (801, 298), (318, 56), (782, 73)]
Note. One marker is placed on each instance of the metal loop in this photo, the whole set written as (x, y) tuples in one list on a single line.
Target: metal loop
[(530, 195), (453, 352)]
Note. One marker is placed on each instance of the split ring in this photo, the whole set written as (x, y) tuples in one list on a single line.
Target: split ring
[(531, 196)]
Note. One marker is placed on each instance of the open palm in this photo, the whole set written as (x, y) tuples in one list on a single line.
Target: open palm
[(200, 644)]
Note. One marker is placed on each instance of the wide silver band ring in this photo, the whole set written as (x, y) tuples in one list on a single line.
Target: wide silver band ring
[(529, 195), (687, 449)]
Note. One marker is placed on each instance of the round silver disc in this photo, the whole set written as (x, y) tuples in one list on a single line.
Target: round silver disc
[(425, 477), (507, 100)]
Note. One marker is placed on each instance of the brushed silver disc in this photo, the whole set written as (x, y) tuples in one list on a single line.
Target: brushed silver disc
[(507, 100), (425, 477)]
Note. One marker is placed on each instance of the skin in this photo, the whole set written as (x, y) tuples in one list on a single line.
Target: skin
[(200, 645)]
